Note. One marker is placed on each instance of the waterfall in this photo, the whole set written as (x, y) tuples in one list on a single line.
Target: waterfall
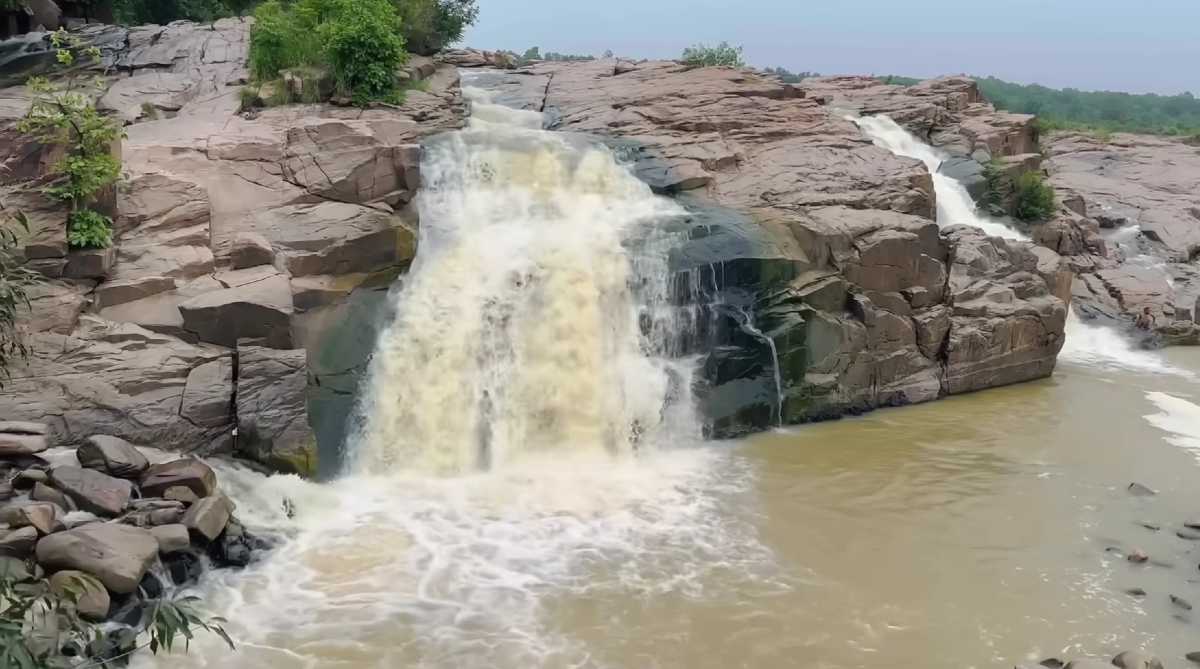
[(954, 203), (537, 315), (1087, 343), (747, 325)]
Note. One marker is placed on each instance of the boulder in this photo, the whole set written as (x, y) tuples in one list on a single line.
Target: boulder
[(208, 397), (18, 543), (208, 517), (91, 598), (1132, 659), (21, 427), (171, 538), (92, 491), (44, 517), (1088, 664), (181, 494), (44, 493), (165, 517), (251, 249), (29, 478), (272, 410), (189, 473), (259, 310), (21, 444), (118, 555), (113, 456), (90, 263)]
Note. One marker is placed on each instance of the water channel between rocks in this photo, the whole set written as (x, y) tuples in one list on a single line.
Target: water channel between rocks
[(978, 531)]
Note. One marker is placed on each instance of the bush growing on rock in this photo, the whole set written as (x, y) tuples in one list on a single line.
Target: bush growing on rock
[(1035, 200), (360, 41), (721, 55), (62, 113)]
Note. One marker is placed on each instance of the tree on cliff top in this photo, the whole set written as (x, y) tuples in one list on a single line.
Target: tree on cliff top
[(721, 55)]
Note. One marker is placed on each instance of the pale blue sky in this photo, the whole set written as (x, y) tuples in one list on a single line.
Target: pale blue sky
[(1135, 45)]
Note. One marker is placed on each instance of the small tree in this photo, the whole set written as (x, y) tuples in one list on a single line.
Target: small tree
[(721, 55), (15, 282), (62, 114), (1035, 200)]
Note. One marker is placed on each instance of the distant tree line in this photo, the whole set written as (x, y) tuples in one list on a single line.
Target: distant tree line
[(1103, 112), (789, 77), (534, 54)]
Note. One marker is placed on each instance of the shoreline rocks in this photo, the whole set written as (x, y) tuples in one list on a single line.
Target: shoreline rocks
[(129, 533)]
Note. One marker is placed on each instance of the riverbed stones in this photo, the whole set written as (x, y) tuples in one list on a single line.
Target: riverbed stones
[(1088, 663), (28, 479), (190, 473), (44, 493), (44, 517), (92, 491), (1139, 490), (1181, 603), (21, 444), (118, 555), (1134, 659), (91, 599), (171, 538), (181, 494), (18, 543), (208, 517), (113, 456)]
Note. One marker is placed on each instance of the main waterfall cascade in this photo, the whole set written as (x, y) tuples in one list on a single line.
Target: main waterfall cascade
[(537, 314)]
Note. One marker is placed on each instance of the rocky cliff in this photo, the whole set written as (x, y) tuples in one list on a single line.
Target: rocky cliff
[(815, 252), (1130, 226), (254, 249)]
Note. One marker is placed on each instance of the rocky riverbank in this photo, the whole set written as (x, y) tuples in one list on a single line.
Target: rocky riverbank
[(141, 530)]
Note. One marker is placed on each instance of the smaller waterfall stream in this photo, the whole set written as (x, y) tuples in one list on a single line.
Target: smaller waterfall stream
[(1086, 343), (747, 325)]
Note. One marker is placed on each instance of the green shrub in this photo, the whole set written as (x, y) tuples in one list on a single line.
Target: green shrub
[(15, 282), (89, 229), (1035, 199), (359, 41), (721, 55), (364, 48), (432, 25)]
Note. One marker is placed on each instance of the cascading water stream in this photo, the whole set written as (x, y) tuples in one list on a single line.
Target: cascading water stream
[(520, 328), (747, 325), (1086, 343)]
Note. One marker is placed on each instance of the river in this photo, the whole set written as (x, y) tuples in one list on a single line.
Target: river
[(529, 488)]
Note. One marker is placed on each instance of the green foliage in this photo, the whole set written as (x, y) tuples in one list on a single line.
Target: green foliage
[(89, 229), (36, 625), (359, 40), (364, 48), (15, 282), (1108, 111), (897, 80), (789, 77), (721, 55), (1035, 199), (997, 186), (432, 25), (42, 629), (137, 12), (62, 114)]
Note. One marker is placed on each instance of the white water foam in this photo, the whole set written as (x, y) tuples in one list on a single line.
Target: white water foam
[(1104, 347), (1179, 417)]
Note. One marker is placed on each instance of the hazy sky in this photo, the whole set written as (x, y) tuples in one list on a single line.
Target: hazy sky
[(1134, 45)]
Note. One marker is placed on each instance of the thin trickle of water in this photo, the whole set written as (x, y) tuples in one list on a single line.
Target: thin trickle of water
[(747, 325), (537, 315)]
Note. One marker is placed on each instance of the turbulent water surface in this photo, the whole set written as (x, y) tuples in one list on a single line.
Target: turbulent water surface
[(528, 488)]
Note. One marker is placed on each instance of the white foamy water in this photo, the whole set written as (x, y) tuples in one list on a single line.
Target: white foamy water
[(526, 435), (1099, 346), (1180, 418), (954, 203)]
